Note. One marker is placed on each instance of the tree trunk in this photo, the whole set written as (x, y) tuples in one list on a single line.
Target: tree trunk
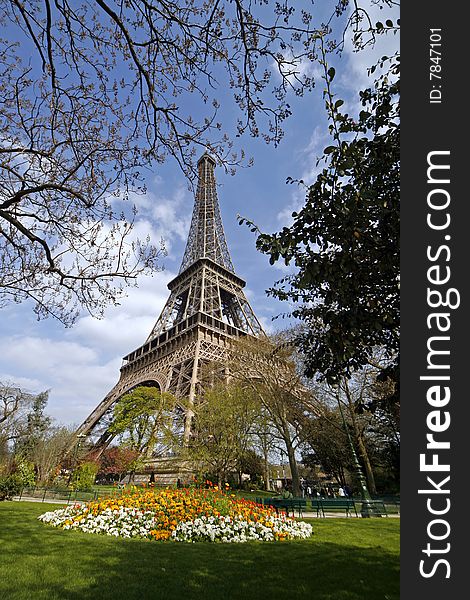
[(293, 468), (267, 485)]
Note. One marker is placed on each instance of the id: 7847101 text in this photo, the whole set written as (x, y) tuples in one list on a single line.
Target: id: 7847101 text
[(435, 68)]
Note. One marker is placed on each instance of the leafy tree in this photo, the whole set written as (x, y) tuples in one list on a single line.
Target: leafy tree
[(250, 463), (36, 425), (12, 405), (221, 436), (143, 418), (84, 476), (47, 451), (117, 461), (27, 472), (10, 485), (22, 417), (33, 445), (344, 242)]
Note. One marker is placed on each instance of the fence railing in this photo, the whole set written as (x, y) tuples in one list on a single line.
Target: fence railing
[(44, 494), (67, 496)]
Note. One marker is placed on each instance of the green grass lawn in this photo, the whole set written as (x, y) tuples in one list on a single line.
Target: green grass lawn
[(346, 559)]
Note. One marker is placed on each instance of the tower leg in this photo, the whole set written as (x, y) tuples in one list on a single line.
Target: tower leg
[(192, 395)]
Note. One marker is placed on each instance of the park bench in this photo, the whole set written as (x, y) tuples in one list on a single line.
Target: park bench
[(346, 504), (378, 508), (297, 504), (290, 505), (393, 502), (317, 505), (320, 505)]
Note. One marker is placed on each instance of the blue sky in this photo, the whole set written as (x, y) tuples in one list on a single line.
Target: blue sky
[(81, 364)]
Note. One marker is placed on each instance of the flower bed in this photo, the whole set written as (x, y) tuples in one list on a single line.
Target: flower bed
[(182, 515)]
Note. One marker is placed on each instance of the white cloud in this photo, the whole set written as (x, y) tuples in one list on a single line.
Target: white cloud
[(163, 216), (173, 215), (34, 386), (127, 326), (160, 214), (71, 371), (39, 356)]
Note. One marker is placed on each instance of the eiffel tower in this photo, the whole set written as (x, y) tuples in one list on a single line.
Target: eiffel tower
[(206, 309)]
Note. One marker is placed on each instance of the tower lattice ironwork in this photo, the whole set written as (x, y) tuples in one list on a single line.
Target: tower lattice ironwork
[(206, 309)]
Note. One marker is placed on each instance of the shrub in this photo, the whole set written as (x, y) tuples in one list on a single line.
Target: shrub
[(84, 476), (10, 486), (25, 471)]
